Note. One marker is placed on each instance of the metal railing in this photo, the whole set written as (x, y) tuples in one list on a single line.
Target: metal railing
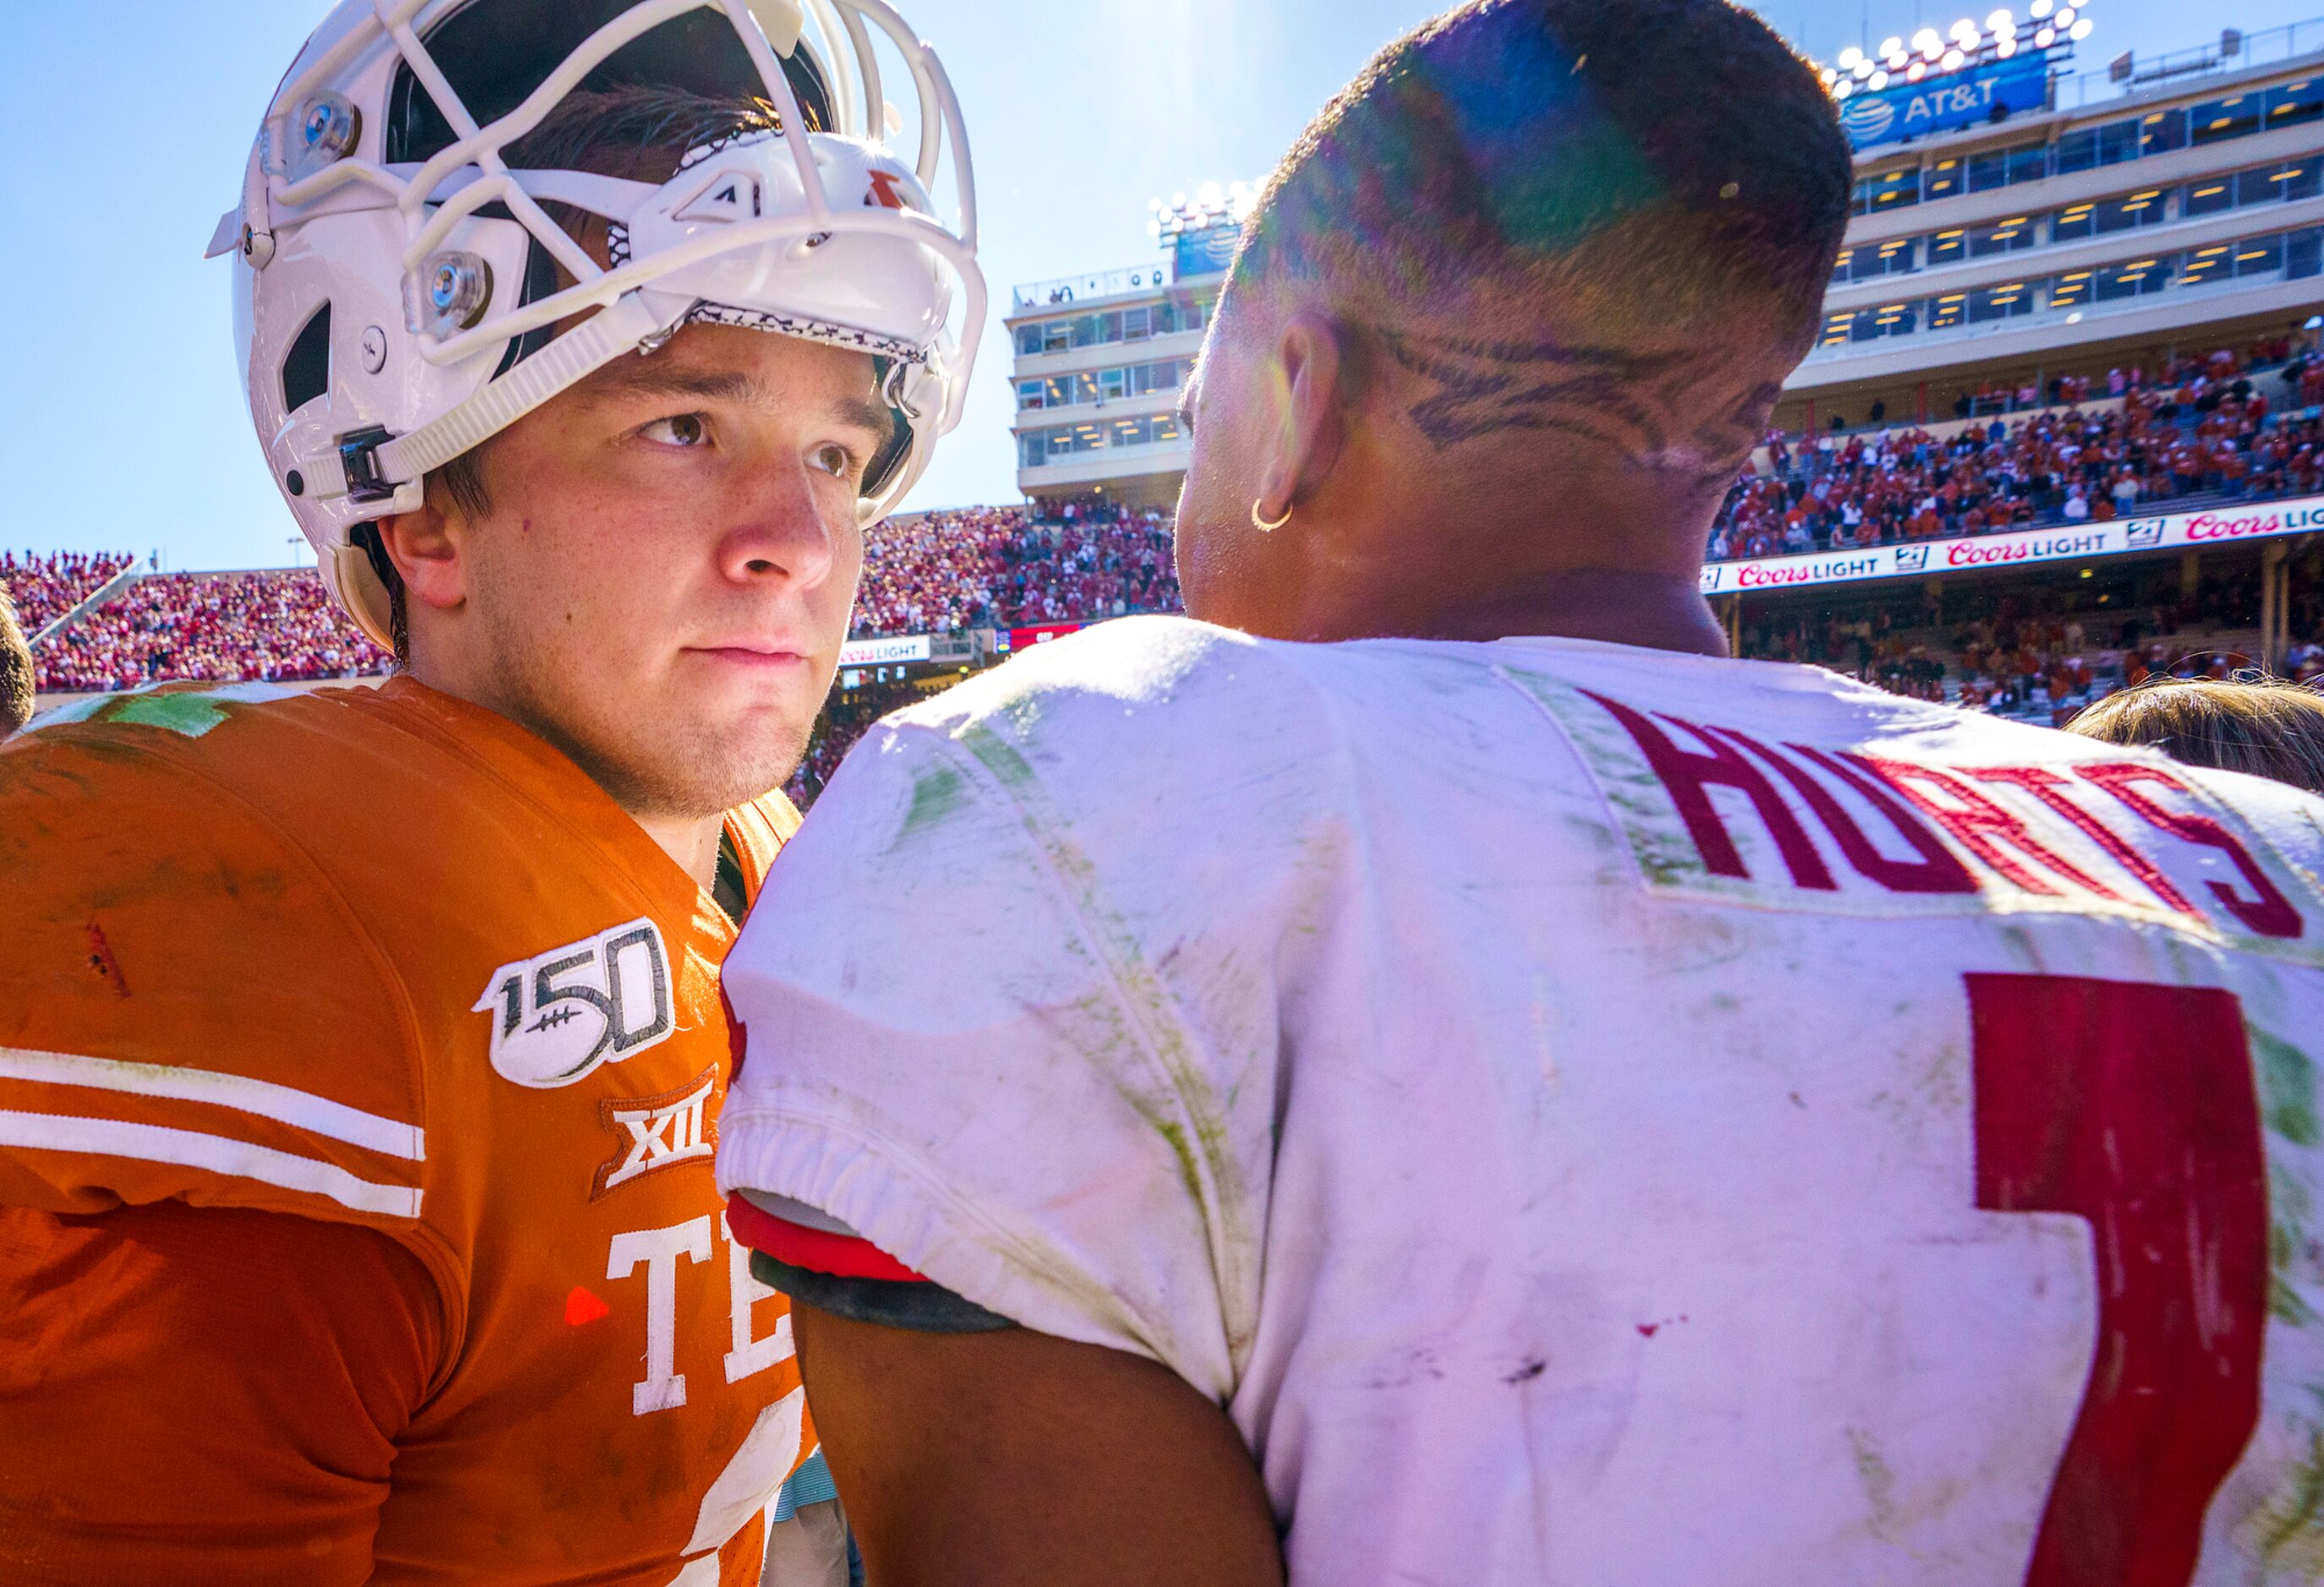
[(2265, 47), (1102, 283)]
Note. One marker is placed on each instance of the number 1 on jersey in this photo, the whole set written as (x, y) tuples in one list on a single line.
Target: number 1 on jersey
[(2132, 1106)]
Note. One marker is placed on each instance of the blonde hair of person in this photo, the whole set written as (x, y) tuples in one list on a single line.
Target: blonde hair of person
[(2264, 726)]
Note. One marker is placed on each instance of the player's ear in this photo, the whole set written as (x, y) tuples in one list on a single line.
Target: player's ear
[(428, 547), (1307, 385)]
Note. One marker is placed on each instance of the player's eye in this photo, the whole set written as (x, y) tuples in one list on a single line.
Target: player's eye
[(681, 429), (835, 459)]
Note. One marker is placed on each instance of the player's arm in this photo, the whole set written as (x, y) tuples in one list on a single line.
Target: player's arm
[(202, 1394), (216, 1309), (1020, 1460)]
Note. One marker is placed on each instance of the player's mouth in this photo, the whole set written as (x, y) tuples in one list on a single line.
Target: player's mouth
[(750, 655)]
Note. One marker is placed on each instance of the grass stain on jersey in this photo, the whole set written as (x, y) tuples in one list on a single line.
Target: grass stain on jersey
[(2287, 1081), (188, 713), (1147, 1022), (1879, 1482), (2286, 1533), (937, 792)]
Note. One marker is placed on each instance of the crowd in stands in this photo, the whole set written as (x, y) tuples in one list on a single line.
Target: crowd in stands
[(2224, 426), (46, 584), (1004, 568), (1994, 651), (271, 627)]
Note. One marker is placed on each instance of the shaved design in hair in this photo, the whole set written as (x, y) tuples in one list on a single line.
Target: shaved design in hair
[(1651, 263), (1636, 403)]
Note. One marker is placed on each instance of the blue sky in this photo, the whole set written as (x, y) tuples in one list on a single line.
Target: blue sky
[(121, 420)]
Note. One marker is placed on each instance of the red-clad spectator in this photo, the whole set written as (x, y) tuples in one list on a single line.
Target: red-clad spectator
[(234, 627), (47, 585)]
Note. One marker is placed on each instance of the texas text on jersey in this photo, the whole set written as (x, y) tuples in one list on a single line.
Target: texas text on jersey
[(379, 963)]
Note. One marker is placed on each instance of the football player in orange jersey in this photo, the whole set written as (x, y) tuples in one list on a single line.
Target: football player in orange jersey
[(361, 1051)]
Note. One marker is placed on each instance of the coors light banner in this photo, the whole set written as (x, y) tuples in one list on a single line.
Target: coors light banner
[(2061, 543)]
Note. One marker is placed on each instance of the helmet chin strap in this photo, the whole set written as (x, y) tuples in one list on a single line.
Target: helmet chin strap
[(617, 329)]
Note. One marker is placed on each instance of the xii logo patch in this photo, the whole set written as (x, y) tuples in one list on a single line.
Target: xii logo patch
[(558, 1015), (657, 1132)]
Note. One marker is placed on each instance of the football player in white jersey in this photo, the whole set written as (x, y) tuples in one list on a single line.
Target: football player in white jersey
[(1438, 1060)]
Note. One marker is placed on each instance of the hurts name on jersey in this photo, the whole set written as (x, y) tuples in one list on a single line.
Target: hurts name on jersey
[(1709, 808)]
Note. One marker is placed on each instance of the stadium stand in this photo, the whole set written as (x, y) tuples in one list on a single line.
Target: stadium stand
[(2226, 427), (1003, 568), (239, 627), (46, 584)]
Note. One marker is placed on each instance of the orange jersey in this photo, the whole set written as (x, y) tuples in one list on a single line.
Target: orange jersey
[(384, 960)]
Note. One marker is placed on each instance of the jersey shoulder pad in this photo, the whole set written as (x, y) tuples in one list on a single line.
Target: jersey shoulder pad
[(192, 1010)]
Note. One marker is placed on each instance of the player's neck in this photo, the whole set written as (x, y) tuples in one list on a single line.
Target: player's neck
[(692, 841), (1657, 610)]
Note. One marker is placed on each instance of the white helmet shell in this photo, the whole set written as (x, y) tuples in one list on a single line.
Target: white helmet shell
[(398, 285)]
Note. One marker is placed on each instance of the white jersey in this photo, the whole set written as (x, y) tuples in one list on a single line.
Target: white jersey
[(1592, 1115)]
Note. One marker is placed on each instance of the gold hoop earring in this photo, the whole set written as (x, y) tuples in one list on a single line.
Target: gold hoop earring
[(1261, 524)]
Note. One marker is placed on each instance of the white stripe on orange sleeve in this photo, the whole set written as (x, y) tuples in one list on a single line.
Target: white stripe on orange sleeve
[(283, 1104), (242, 1159)]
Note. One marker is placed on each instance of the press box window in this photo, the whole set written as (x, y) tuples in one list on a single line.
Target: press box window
[(2093, 147), (2002, 302), (2107, 217), (2222, 119), (2005, 237), (2294, 103), (2303, 253), (2162, 131), (2137, 279)]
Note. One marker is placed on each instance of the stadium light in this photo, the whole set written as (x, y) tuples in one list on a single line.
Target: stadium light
[(2045, 38), (1892, 46), (2038, 10), (2080, 31), (1950, 60), (1851, 58), (1916, 71), (2005, 47), (1923, 38), (1863, 71), (1879, 81), (2064, 19), (1843, 88), (2000, 20)]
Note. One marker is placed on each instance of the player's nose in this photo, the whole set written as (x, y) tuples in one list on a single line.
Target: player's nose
[(780, 531)]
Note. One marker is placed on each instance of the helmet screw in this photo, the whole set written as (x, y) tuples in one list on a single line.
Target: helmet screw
[(374, 349), (455, 289), (296, 482), (323, 131)]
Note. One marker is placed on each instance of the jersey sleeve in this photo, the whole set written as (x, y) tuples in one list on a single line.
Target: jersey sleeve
[(191, 1010), (200, 1394), (1011, 1010)]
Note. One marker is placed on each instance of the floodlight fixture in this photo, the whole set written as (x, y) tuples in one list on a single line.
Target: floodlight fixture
[(1892, 46), (1850, 57), (2045, 38), (1842, 89), (1879, 80), (2079, 31)]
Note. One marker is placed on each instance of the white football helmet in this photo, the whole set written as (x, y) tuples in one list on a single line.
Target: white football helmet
[(398, 287)]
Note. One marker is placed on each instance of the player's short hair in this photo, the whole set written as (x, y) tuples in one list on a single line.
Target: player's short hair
[(1619, 172), (15, 669), (2265, 726), (638, 132)]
